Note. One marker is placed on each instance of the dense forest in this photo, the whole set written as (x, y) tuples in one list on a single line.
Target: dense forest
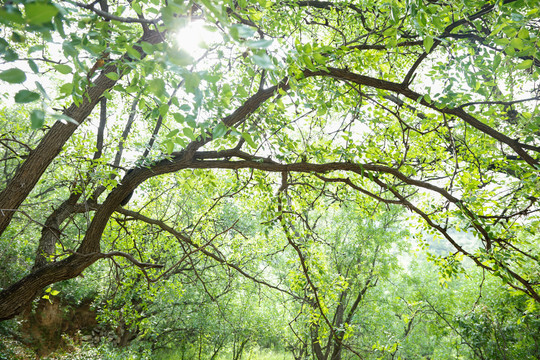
[(270, 179)]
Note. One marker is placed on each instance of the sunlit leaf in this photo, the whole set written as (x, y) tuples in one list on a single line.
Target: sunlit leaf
[(219, 130), (263, 60), (526, 64), (63, 69), (259, 44), (25, 96), (37, 118), (38, 13), (516, 43), (13, 76), (249, 140), (239, 31), (189, 133), (113, 76), (42, 90), (428, 43)]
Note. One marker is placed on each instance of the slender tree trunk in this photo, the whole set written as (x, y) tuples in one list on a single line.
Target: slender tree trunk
[(51, 231)]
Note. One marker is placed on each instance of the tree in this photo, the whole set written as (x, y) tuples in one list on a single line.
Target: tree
[(338, 266), (429, 105)]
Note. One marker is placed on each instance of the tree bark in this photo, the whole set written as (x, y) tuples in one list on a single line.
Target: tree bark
[(16, 297)]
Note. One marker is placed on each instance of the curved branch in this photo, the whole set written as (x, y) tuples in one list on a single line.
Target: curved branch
[(131, 258), (187, 240), (346, 75)]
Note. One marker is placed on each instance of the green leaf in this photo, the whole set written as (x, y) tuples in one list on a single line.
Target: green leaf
[(190, 120), (249, 140), (38, 13), (13, 76), (156, 87), (66, 89), (525, 64), (63, 69), (394, 12), (264, 61), (180, 141), (163, 109), (189, 133), (69, 49), (321, 60), (173, 133), (37, 118), (35, 48), (259, 44), (239, 31), (33, 66), (25, 96), (309, 63), (65, 118), (192, 81), (113, 76), (59, 25), (10, 15), (17, 37), (169, 144), (179, 117), (390, 31), (137, 7), (133, 53), (219, 130), (523, 33), (147, 47), (181, 58), (42, 91), (428, 43), (517, 43), (496, 61)]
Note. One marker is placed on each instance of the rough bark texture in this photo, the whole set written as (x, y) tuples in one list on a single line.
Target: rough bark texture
[(15, 298)]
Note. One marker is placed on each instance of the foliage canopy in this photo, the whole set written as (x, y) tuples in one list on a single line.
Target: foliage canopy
[(297, 125)]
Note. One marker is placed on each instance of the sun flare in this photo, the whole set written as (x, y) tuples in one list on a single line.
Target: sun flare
[(196, 37)]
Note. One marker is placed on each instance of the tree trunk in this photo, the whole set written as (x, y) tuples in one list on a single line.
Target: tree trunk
[(16, 297)]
